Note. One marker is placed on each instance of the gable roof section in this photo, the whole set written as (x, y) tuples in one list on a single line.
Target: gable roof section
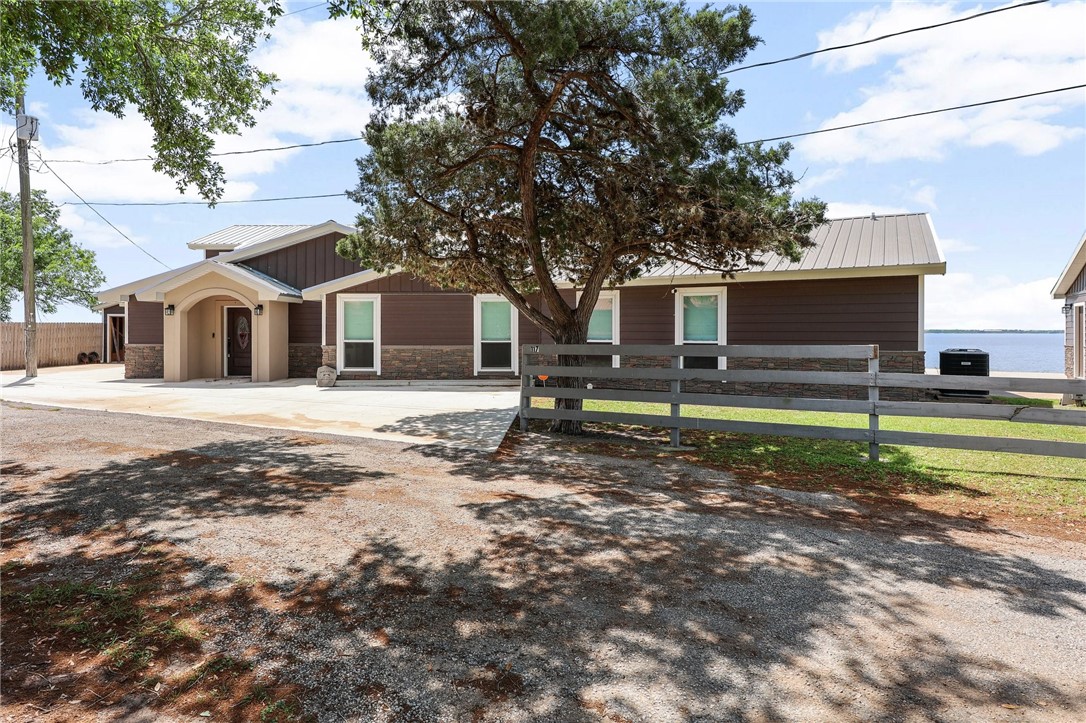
[(117, 294), (266, 288), (865, 246), (1070, 272), (241, 235), (305, 233)]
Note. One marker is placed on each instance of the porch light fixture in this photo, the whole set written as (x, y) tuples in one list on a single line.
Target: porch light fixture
[(1066, 309), (168, 310), (258, 309)]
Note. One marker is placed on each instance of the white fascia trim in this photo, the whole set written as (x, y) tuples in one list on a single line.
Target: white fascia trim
[(281, 242), (376, 299), (1071, 271), (264, 290), (119, 294), (514, 333), (314, 293), (935, 240), (721, 316), (806, 275)]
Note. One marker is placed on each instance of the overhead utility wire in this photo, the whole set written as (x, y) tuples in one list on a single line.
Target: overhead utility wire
[(883, 37), (744, 143), (733, 70), (98, 213), (302, 10), (217, 203), (913, 115), (214, 155)]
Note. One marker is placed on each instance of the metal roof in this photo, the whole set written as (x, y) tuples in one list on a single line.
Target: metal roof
[(283, 288), (849, 243), (242, 235)]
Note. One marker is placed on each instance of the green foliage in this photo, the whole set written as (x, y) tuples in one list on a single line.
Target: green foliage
[(516, 145), (183, 65), (64, 271)]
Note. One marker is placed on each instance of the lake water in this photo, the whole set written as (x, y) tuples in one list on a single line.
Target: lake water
[(1006, 352)]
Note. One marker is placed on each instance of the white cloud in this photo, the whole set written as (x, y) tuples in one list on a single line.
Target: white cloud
[(966, 301), (1008, 54), (321, 96), (87, 230), (925, 196), (956, 246), (854, 210)]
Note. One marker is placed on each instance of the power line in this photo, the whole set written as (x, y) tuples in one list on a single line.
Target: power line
[(214, 155), (217, 203), (914, 115), (98, 213), (883, 37), (294, 12)]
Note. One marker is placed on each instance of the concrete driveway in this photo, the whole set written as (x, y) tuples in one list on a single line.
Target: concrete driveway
[(473, 417)]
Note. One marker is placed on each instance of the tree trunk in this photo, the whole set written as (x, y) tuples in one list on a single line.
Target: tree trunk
[(574, 335)]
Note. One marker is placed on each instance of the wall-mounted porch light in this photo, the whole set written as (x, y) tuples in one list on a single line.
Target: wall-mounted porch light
[(1066, 309), (258, 309), (168, 310)]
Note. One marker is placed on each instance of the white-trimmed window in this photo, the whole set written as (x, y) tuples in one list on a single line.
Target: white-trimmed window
[(603, 325), (699, 319), (495, 334), (358, 333)]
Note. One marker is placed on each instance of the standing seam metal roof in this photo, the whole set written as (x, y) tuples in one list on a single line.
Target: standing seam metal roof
[(239, 236), (849, 243)]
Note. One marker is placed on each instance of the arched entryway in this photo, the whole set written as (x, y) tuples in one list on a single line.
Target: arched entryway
[(219, 336)]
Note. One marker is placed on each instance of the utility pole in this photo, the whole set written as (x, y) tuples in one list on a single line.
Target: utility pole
[(25, 134)]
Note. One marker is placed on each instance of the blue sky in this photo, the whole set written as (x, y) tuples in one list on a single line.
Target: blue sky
[(1005, 184)]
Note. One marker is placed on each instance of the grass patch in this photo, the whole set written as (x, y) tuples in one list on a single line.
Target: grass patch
[(1024, 488), (109, 619)]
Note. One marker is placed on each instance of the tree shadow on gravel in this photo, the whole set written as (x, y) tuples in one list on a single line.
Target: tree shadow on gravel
[(140, 486), (608, 595)]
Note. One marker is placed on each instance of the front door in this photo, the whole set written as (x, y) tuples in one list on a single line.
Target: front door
[(239, 342)]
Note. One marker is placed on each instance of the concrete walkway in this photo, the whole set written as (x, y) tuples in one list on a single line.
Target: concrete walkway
[(473, 417)]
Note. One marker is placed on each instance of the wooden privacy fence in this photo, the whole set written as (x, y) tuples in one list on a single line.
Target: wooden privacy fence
[(531, 369), (59, 343)]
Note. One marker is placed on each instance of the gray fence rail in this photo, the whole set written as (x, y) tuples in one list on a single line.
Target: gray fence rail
[(531, 370)]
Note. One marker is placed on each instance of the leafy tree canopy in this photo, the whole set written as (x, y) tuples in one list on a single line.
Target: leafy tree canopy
[(183, 65), (64, 272), (517, 145)]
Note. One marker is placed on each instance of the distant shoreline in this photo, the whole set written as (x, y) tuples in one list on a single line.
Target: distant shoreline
[(993, 331)]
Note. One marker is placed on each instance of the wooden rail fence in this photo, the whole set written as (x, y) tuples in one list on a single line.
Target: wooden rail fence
[(59, 343), (873, 407)]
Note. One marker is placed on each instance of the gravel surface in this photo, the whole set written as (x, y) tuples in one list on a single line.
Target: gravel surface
[(393, 582)]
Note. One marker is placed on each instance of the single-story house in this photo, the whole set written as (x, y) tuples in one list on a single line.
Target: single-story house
[(1071, 287), (269, 302)]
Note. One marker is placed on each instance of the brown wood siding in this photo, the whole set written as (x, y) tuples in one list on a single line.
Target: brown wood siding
[(1079, 285), (144, 322), (305, 323), (426, 319), (115, 309), (883, 311), (646, 315), (415, 312), (305, 264), (210, 253)]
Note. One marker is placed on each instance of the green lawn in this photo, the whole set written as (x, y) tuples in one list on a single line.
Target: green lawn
[(1031, 488)]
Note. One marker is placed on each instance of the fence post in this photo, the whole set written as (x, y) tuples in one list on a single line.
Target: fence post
[(676, 438), (525, 382), (873, 397)]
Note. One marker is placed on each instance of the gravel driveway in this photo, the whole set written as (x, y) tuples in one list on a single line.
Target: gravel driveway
[(395, 582)]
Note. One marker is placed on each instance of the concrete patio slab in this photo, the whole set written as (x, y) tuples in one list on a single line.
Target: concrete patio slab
[(472, 417)]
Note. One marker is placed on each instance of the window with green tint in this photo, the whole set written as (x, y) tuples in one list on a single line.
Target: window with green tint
[(701, 318), (358, 320), (601, 323), (495, 318)]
